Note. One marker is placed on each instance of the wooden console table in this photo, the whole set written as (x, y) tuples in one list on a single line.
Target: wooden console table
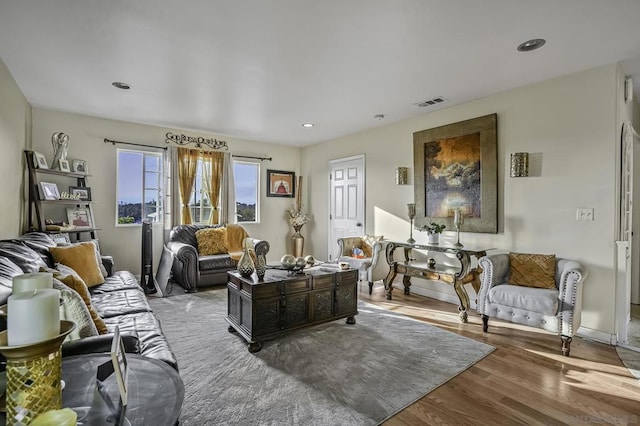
[(457, 277), (260, 310)]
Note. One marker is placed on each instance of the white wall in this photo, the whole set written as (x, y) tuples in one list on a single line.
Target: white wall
[(87, 136), (568, 125), (15, 137)]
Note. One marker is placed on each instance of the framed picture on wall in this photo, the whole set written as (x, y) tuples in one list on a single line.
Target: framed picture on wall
[(281, 183)]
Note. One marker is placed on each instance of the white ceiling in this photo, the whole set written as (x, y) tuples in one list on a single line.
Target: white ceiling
[(258, 69)]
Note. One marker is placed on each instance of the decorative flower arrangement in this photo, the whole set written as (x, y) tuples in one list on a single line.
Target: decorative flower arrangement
[(297, 218), (432, 228)]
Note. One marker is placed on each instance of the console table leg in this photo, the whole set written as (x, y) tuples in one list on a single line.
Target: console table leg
[(231, 329), (463, 315), (254, 347), (351, 320), (464, 299), (406, 281)]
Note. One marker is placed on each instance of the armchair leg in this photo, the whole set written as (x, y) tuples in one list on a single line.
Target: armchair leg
[(370, 287), (566, 345), (485, 323)]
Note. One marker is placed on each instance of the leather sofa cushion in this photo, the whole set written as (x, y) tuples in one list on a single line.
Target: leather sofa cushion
[(146, 327), (27, 259), (544, 301), (120, 303), (532, 270), (216, 261)]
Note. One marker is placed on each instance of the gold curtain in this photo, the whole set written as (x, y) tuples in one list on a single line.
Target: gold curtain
[(212, 167), (187, 167)]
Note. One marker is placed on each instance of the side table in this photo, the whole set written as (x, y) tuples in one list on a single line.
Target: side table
[(155, 391)]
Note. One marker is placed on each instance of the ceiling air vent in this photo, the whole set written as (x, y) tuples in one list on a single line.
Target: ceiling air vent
[(431, 102)]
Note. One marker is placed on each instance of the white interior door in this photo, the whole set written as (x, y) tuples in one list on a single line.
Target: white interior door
[(346, 200)]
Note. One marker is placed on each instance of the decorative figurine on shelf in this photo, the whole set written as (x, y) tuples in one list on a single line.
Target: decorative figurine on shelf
[(60, 143), (411, 212), (458, 220)]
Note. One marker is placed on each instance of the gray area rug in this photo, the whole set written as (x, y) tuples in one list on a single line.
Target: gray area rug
[(330, 374), (631, 360)]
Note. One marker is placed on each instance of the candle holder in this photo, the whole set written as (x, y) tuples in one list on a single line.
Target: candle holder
[(411, 212), (458, 220), (33, 376)]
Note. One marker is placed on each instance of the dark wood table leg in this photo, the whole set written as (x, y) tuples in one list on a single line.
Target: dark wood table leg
[(388, 282), (351, 320), (231, 329), (254, 347)]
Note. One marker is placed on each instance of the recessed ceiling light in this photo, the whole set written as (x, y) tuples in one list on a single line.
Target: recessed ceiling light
[(121, 85), (532, 44), (307, 125)]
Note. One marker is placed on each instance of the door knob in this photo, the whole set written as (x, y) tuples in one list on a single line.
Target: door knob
[(358, 224)]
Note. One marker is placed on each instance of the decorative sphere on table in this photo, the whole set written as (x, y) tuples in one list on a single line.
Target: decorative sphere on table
[(310, 260), (288, 261), (300, 262)]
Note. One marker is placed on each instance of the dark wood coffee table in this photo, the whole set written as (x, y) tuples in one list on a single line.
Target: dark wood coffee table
[(260, 310)]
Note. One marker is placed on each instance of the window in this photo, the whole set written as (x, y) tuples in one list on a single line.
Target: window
[(247, 184), (247, 179), (139, 184)]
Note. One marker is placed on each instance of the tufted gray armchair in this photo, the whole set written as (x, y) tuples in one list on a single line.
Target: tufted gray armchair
[(557, 310)]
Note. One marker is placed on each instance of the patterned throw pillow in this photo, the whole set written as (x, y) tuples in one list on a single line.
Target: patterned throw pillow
[(73, 309), (367, 244), (83, 259), (212, 241), (76, 284), (532, 270)]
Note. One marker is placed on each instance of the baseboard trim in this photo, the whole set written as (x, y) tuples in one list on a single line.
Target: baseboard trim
[(597, 335)]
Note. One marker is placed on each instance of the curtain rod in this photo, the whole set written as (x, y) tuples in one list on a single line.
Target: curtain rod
[(134, 144), (252, 157), (165, 148)]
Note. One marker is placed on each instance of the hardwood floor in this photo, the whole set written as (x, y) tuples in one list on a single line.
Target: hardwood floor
[(526, 380)]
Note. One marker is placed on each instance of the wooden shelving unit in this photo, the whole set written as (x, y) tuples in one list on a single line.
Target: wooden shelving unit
[(39, 206)]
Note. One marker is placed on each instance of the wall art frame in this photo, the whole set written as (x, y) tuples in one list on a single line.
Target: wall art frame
[(281, 183), (455, 167)]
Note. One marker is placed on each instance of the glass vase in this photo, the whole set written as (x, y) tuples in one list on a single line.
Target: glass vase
[(245, 264)]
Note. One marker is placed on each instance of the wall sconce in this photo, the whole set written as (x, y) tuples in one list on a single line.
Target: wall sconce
[(402, 176), (520, 164)]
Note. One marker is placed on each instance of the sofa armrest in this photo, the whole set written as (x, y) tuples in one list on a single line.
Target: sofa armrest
[(260, 247), (379, 267), (569, 275), (185, 264), (108, 263), (495, 268), (99, 344)]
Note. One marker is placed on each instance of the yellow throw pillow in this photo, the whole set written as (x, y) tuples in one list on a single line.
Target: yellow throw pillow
[(76, 284), (532, 270), (212, 241), (81, 258)]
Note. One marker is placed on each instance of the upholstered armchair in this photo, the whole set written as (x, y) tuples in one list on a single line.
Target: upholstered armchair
[(372, 266), (556, 309), (193, 270)]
